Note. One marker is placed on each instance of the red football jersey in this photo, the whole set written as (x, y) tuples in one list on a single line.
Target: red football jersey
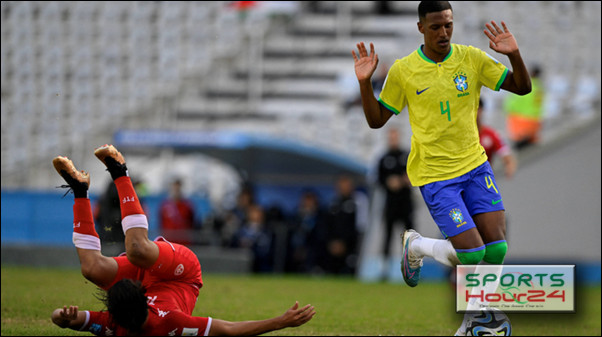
[(161, 322), (172, 286), (493, 143)]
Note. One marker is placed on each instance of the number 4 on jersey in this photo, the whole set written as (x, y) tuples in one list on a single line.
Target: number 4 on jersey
[(446, 110)]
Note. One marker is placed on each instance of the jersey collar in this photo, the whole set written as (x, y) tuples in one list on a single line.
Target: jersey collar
[(424, 57)]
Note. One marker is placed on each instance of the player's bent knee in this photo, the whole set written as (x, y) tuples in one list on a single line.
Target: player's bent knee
[(471, 256), (495, 252), (136, 252)]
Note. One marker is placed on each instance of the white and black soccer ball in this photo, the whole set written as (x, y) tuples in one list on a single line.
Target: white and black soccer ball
[(489, 322)]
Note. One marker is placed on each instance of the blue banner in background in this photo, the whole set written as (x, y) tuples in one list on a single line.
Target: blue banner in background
[(265, 158)]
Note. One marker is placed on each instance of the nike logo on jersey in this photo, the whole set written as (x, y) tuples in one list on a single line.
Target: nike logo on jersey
[(495, 202), (421, 91)]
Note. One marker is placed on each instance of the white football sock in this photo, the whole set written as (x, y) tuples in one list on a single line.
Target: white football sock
[(441, 250), (134, 221), (85, 241), (464, 321)]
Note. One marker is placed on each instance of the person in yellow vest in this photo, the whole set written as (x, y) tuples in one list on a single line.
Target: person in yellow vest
[(524, 113)]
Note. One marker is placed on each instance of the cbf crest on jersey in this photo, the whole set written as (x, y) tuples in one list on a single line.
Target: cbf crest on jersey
[(461, 83)]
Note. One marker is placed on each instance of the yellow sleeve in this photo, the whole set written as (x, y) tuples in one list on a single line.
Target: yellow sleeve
[(393, 95), (493, 73)]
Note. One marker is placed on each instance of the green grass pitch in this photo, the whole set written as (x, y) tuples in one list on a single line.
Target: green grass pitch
[(344, 306)]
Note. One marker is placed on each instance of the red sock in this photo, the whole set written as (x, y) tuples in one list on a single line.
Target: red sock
[(83, 221), (132, 214), (84, 233), (128, 199)]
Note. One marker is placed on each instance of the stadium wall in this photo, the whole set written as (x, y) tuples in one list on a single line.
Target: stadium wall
[(36, 232), (44, 217)]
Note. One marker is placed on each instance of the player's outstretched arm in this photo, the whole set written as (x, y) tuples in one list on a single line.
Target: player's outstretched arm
[(365, 65), (69, 317), (293, 317), (518, 80)]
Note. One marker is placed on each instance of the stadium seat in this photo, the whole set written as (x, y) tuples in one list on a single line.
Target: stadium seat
[(111, 60)]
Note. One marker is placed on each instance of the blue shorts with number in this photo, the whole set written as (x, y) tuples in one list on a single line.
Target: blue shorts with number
[(454, 202)]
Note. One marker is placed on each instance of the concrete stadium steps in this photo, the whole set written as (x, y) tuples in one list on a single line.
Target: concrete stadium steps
[(364, 7), (124, 75), (332, 25), (304, 66), (326, 47), (279, 106), (233, 88)]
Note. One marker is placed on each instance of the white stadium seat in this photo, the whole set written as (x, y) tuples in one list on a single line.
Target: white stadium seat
[(111, 62)]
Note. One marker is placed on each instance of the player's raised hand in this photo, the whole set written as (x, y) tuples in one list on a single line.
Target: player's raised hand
[(502, 41), (296, 316), (365, 64)]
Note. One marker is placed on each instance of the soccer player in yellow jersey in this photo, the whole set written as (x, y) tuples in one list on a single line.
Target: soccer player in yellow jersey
[(440, 84)]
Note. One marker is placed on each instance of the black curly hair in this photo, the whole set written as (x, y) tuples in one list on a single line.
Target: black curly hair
[(126, 302)]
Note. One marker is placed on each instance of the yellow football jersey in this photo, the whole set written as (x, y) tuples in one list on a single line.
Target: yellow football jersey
[(442, 100)]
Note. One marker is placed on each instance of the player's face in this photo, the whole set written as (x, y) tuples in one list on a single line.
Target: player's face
[(437, 28)]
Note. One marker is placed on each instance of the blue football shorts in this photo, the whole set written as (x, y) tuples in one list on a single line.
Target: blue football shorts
[(453, 202)]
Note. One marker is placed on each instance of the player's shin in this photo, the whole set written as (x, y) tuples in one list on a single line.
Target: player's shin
[(139, 249), (84, 233), (492, 263), (132, 214), (495, 251)]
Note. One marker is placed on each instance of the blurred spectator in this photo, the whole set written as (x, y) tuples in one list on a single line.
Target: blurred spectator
[(341, 230), (276, 224), (378, 79), (108, 220), (255, 235), (362, 214), (524, 113), (383, 8), (349, 87), (307, 235), (392, 176), (107, 217), (494, 145), (348, 90), (177, 216), (243, 5), (262, 10), (234, 218)]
